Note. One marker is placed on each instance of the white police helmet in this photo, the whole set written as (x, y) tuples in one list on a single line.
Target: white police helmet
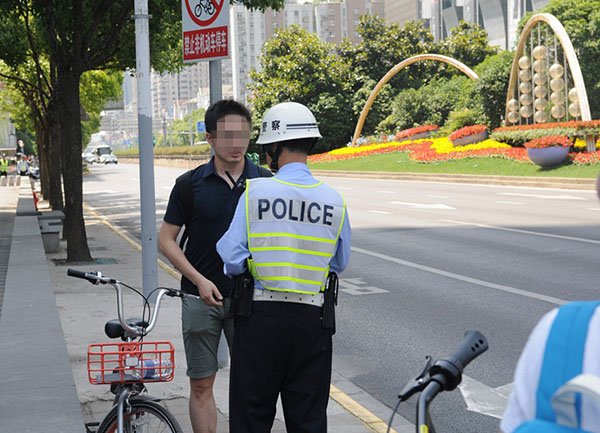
[(287, 121)]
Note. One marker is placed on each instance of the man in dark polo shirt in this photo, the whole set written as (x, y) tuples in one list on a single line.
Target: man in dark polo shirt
[(216, 190)]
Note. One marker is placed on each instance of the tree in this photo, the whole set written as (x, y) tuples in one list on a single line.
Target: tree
[(467, 43), (297, 66), (80, 36)]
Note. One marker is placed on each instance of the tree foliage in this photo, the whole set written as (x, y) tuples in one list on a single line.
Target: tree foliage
[(467, 43), (297, 66)]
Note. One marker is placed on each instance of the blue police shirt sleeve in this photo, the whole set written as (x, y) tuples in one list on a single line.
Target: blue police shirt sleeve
[(340, 259), (233, 246)]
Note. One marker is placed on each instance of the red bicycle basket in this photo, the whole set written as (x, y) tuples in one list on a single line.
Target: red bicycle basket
[(131, 362)]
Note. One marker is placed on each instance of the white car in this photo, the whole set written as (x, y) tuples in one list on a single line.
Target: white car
[(109, 158)]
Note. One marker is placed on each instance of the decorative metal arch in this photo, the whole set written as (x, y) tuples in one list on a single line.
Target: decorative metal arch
[(453, 62), (569, 52)]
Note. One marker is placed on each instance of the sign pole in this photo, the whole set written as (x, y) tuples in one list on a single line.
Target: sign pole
[(148, 207), (215, 79)]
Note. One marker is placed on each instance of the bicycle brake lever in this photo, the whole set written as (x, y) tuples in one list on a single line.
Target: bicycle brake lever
[(418, 383)]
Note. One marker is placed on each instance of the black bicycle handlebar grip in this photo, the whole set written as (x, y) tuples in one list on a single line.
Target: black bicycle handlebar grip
[(76, 273), (473, 345)]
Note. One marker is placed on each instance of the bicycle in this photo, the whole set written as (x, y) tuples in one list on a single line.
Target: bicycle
[(127, 366), (204, 5), (444, 375)]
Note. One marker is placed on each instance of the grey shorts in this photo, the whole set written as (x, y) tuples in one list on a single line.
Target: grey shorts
[(201, 326)]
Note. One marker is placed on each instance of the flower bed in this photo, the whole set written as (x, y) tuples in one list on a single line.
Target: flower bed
[(576, 124), (467, 131), (549, 141), (415, 133)]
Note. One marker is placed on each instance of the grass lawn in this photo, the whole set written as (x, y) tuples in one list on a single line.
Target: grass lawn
[(400, 162)]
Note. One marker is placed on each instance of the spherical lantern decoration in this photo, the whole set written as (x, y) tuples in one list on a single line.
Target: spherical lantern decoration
[(541, 117), (525, 75), (557, 84), (539, 52), (556, 98), (540, 91), (513, 117), (526, 111), (556, 70), (525, 87), (513, 105), (573, 96), (540, 104), (558, 111), (524, 63), (540, 78), (574, 110), (526, 99), (540, 65)]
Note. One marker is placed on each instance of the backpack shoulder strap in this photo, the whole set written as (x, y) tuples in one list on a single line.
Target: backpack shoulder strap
[(186, 198), (563, 356)]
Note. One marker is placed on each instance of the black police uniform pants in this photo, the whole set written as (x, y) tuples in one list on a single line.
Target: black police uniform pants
[(281, 348)]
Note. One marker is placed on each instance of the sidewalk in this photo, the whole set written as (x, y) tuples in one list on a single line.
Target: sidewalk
[(84, 309)]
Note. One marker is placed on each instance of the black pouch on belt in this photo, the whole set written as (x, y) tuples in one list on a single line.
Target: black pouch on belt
[(329, 302), (243, 288)]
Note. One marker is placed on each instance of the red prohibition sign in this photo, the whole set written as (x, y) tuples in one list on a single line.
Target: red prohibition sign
[(204, 12)]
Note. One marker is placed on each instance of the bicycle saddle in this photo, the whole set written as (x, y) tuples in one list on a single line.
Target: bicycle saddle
[(113, 328)]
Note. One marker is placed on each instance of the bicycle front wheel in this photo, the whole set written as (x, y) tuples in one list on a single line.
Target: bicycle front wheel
[(144, 417)]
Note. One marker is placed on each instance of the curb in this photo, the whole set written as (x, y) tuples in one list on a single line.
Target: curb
[(540, 182)]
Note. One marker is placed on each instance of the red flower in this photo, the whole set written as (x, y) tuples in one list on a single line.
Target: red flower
[(549, 141), (414, 131), (466, 131), (577, 124)]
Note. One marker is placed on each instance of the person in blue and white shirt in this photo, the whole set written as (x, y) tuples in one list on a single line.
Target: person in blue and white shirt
[(290, 231)]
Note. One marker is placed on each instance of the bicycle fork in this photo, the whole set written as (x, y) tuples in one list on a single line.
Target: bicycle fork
[(120, 406)]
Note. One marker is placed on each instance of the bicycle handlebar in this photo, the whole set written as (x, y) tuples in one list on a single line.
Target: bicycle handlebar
[(451, 367), (97, 278)]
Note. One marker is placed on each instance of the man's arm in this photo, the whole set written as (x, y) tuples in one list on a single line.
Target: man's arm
[(233, 246), (342, 253), (167, 242)]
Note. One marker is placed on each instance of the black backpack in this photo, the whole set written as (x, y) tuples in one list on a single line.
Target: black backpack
[(186, 195)]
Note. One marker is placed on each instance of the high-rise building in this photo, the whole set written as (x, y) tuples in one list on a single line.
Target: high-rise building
[(498, 17), (331, 21)]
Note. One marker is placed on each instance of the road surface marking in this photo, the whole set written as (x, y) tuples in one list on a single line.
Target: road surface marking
[(342, 187), (594, 208), (387, 192), (484, 399), (529, 232), (544, 196), (356, 286), (437, 196), (422, 205), (509, 202), (507, 289), (380, 212)]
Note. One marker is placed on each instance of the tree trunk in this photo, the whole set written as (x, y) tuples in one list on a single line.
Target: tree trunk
[(54, 157), (69, 117), (41, 138)]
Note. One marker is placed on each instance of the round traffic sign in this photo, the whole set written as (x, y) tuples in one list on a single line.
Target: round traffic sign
[(204, 12)]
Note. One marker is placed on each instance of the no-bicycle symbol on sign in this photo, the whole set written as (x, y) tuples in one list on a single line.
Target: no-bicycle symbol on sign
[(205, 29)]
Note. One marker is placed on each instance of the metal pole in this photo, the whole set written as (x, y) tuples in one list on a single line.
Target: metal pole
[(216, 87), (148, 208)]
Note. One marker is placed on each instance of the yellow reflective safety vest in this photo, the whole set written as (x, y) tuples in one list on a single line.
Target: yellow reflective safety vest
[(292, 233), (3, 165)]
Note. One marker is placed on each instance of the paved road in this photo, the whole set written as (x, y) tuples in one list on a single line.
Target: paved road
[(431, 260)]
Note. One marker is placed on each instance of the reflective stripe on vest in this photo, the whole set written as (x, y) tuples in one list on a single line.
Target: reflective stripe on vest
[(292, 233)]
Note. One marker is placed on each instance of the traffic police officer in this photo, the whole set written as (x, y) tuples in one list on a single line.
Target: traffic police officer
[(290, 231), (3, 165)]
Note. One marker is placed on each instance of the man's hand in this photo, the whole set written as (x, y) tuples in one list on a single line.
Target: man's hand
[(209, 293)]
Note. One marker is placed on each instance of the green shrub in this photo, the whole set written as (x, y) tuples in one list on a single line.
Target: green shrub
[(201, 149)]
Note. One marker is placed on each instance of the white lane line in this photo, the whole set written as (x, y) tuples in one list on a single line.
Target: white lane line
[(342, 187), (437, 196), (508, 202), (387, 192), (507, 289), (528, 232), (593, 208), (544, 196), (422, 205), (382, 212)]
